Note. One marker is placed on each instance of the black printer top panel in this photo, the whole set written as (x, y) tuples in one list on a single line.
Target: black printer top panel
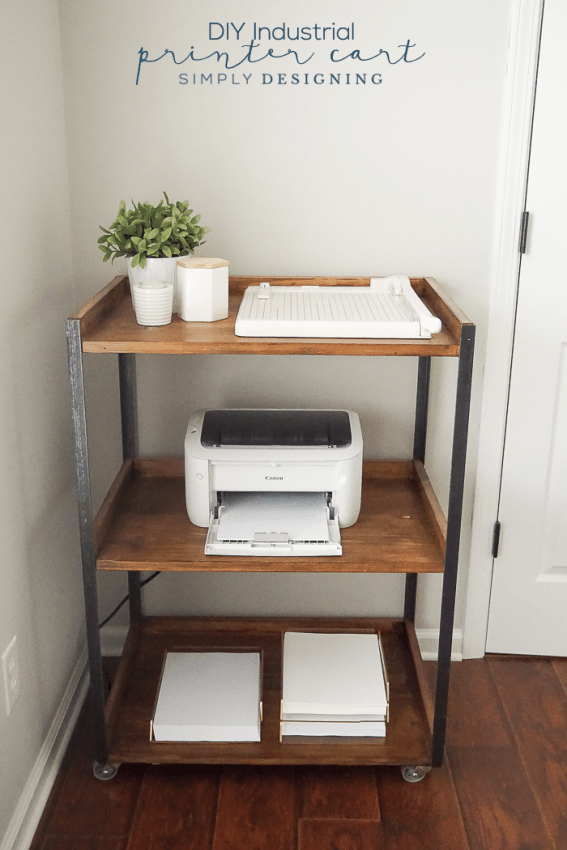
[(300, 428)]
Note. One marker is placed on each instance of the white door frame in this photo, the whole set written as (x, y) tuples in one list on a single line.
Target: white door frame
[(525, 30)]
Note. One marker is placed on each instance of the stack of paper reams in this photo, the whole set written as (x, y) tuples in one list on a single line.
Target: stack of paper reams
[(334, 685)]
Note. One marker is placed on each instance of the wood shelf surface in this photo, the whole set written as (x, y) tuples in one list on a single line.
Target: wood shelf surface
[(108, 324), (143, 525), (132, 700)]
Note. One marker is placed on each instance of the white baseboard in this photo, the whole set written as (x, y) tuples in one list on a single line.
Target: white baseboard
[(31, 804), (428, 640), (113, 637)]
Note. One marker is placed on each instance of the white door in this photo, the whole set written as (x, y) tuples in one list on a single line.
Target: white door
[(528, 607)]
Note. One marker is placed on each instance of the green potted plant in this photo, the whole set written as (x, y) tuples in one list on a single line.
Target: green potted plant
[(154, 237)]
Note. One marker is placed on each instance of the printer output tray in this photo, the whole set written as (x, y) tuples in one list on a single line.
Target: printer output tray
[(274, 524)]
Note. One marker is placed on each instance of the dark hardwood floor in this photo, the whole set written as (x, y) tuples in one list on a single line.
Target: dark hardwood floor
[(503, 786)]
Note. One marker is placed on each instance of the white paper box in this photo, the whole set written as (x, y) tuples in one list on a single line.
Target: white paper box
[(202, 289), (362, 729), (209, 696), (333, 674)]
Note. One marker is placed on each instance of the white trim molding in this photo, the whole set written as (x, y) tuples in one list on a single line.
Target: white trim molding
[(31, 804), (428, 640), (112, 640), (523, 55)]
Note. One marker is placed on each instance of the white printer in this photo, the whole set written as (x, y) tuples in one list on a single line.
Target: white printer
[(273, 482)]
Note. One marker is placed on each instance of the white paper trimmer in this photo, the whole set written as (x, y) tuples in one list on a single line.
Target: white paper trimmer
[(387, 309)]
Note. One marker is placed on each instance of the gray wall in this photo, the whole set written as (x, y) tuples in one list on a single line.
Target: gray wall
[(40, 598)]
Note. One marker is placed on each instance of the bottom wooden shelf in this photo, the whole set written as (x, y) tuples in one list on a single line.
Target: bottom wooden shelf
[(132, 699)]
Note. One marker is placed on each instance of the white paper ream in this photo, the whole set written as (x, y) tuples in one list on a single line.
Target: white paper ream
[(333, 674), (364, 729), (209, 696), (300, 516)]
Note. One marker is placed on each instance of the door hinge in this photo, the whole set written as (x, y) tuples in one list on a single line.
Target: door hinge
[(495, 539), (524, 231)]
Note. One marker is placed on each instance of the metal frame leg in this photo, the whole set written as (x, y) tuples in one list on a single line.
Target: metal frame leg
[(458, 460), (421, 408), (87, 538), (130, 444), (419, 439)]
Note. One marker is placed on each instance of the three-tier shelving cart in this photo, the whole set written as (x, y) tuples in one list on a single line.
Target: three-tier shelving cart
[(142, 525)]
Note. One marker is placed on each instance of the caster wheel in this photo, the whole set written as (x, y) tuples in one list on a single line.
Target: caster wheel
[(414, 774), (104, 772)]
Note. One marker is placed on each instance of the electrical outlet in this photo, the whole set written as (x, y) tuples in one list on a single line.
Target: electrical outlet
[(11, 674)]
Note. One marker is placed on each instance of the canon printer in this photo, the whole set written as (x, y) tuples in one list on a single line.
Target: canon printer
[(273, 482)]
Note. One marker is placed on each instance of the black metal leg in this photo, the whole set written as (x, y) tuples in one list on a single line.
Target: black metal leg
[(421, 408), (128, 404), (454, 512), (87, 539), (129, 420), (410, 596), (419, 438)]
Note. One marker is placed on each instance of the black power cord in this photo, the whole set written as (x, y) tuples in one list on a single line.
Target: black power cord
[(126, 598)]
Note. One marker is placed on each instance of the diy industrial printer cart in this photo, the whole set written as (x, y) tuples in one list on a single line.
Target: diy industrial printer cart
[(143, 525)]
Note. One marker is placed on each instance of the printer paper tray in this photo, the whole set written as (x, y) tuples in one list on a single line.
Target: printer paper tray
[(279, 524)]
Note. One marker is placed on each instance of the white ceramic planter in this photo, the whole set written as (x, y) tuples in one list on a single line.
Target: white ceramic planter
[(202, 286), (157, 268), (153, 302)]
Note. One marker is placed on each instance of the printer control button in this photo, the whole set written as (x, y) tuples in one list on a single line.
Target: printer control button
[(199, 476)]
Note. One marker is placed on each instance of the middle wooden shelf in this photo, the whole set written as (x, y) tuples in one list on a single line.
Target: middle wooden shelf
[(143, 525)]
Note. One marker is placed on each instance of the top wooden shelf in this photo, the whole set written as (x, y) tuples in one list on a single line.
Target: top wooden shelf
[(108, 324)]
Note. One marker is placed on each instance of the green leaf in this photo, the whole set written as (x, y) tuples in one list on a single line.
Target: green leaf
[(166, 250), (135, 261), (166, 234)]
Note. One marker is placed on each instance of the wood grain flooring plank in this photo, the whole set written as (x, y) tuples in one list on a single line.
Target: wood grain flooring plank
[(498, 807), (338, 792), (475, 713), (257, 809), (536, 706), (339, 834), (420, 816), (84, 842), (560, 667), (90, 807), (177, 808)]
